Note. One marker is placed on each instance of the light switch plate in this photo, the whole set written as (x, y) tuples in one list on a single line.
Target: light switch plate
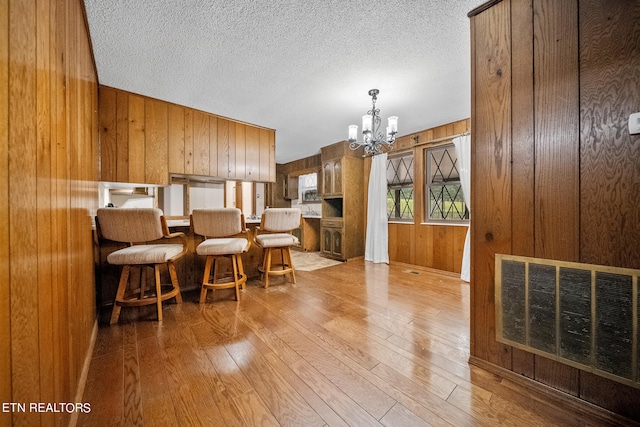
[(634, 123)]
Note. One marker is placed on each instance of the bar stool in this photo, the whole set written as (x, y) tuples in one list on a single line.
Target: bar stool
[(223, 230), (137, 227), (275, 233)]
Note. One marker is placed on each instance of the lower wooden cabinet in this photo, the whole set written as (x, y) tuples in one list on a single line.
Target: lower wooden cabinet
[(332, 243)]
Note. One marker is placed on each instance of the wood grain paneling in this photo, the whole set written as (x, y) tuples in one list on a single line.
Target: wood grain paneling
[(145, 139), (240, 152), (523, 149), (556, 128), (25, 357), (609, 158), (575, 178), (188, 141), (490, 172), (265, 155), (609, 155), (556, 109), (122, 137), (49, 144), (201, 143), (252, 145), (108, 135), (176, 146), (5, 305), (44, 231), (136, 139), (156, 146)]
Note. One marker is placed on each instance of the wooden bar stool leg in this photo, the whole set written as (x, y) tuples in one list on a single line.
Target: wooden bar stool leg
[(267, 267), (264, 263), (216, 264), (234, 266), (143, 280), (241, 271), (122, 286), (205, 279), (158, 291), (174, 281), (290, 265)]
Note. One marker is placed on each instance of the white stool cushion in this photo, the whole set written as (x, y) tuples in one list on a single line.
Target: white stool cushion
[(144, 254), (276, 240), (224, 246)]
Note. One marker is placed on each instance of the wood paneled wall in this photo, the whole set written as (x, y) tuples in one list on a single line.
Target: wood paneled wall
[(143, 140), (555, 173), (419, 243), (48, 195)]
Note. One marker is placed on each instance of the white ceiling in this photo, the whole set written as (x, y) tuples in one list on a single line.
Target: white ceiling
[(301, 67)]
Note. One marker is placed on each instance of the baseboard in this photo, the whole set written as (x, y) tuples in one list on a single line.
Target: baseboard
[(82, 382), (550, 394), (430, 269)]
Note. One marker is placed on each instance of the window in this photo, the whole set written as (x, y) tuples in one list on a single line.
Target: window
[(400, 187), (308, 188), (444, 201)]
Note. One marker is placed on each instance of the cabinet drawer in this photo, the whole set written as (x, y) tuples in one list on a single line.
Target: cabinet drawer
[(332, 222)]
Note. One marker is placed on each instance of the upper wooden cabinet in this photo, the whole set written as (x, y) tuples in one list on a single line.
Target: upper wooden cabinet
[(143, 140), (332, 178)]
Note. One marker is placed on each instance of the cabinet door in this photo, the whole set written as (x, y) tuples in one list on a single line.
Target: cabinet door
[(326, 242), (327, 177), (337, 177), (291, 187), (299, 233), (336, 243)]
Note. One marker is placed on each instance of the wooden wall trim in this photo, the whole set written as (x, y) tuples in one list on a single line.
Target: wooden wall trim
[(482, 8)]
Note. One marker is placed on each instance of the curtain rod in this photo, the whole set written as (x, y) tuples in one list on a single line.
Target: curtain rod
[(444, 138)]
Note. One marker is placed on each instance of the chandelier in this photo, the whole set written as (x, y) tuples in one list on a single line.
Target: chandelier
[(373, 140)]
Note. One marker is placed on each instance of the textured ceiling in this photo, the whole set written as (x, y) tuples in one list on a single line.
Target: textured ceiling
[(301, 67)]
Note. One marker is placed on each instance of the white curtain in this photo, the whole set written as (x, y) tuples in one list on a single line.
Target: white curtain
[(377, 241), (463, 151)]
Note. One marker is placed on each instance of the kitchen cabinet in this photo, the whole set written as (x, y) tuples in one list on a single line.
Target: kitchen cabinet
[(343, 207), (332, 242), (144, 140), (309, 234), (291, 187), (332, 178)]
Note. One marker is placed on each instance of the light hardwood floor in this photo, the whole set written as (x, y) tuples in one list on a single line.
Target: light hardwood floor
[(358, 344)]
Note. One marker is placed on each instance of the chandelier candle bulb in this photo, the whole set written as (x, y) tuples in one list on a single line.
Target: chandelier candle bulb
[(353, 132), (393, 124), (366, 123)]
